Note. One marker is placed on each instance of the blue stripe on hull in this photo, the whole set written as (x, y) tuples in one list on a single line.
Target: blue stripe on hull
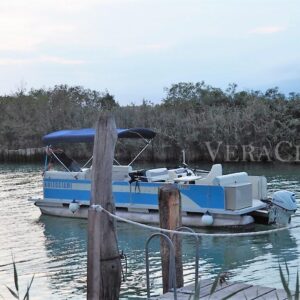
[(67, 194), (135, 198), (142, 194)]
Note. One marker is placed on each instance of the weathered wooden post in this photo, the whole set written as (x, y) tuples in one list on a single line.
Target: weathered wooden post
[(170, 218), (104, 266)]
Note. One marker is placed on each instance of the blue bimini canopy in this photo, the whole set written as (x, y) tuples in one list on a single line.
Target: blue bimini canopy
[(87, 135)]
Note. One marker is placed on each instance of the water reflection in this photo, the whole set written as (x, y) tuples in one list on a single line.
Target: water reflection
[(66, 248), (229, 253)]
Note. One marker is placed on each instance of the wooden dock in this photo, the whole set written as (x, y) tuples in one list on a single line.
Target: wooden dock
[(237, 290)]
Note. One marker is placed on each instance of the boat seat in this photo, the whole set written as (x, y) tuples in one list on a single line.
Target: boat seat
[(215, 171), (232, 179), (157, 175)]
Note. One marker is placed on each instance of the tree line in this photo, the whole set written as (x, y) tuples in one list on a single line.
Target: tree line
[(208, 122)]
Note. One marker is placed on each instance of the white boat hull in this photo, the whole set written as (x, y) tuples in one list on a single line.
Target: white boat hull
[(145, 216)]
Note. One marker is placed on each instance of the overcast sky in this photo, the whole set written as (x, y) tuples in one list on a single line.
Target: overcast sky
[(135, 48)]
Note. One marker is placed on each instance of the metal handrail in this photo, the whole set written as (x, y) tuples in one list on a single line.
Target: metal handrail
[(172, 268)]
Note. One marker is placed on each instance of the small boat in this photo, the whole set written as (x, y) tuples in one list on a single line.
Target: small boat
[(209, 198)]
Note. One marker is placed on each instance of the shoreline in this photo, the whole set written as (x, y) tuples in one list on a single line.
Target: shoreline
[(30, 155)]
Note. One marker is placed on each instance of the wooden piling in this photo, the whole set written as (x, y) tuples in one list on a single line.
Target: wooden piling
[(104, 266), (170, 218)]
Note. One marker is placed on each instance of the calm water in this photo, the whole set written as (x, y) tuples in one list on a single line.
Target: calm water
[(54, 249)]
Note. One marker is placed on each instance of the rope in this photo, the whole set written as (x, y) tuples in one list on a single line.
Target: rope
[(99, 208)]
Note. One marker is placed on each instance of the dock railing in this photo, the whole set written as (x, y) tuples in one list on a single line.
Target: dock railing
[(172, 268)]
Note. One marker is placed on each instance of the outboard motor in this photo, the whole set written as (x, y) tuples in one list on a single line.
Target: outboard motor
[(283, 205)]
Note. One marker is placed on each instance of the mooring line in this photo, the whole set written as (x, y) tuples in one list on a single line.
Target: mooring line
[(99, 208)]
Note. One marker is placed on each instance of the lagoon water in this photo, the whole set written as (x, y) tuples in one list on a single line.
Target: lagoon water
[(54, 249)]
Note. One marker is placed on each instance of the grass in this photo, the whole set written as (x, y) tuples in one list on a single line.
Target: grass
[(291, 294), (16, 292)]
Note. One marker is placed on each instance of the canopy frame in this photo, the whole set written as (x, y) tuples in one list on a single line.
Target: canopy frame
[(87, 135)]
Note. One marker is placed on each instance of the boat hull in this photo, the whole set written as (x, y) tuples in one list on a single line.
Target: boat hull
[(144, 216)]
